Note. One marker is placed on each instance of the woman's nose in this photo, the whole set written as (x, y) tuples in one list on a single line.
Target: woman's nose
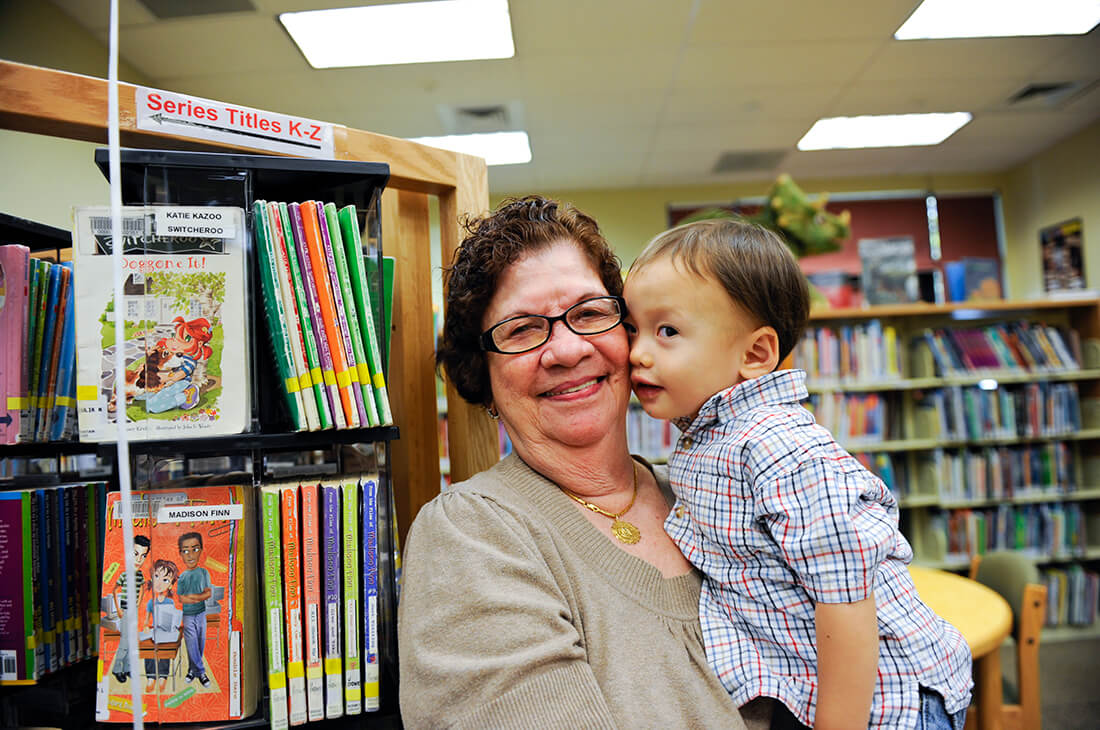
[(565, 347)]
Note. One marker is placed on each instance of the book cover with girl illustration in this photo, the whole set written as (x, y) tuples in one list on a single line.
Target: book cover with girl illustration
[(194, 599), (185, 335)]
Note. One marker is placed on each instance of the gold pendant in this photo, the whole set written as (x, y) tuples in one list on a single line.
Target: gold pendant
[(625, 532)]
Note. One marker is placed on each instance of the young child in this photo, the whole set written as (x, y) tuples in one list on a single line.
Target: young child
[(806, 595), (163, 578)]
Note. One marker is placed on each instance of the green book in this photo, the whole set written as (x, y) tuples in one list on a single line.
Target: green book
[(17, 643), (26, 405), (349, 226), (276, 319), (342, 256), (313, 359), (270, 509), (353, 661), (378, 297)]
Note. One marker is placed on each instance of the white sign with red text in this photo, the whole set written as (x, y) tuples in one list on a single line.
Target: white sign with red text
[(215, 121)]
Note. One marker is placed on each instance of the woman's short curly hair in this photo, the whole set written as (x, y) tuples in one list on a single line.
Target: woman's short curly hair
[(493, 243)]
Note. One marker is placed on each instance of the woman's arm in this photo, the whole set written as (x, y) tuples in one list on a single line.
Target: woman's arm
[(486, 635)]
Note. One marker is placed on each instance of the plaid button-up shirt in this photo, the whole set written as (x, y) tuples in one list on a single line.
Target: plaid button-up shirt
[(778, 517)]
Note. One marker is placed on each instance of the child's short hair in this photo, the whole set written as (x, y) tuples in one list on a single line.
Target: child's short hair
[(168, 567), (189, 536), (758, 271)]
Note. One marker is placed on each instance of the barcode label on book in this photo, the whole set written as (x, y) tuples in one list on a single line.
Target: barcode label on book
[(275, 640), (9, 665), (314, 626), (131, 225)]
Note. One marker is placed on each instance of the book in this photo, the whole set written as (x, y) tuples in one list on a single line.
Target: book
[(309, 336), (889, 270), (1063, 257), (278, 328), (60, 314), (381, 300), (17, 640), (184, 334), (292, 605), (311, 599), (271, 522), (14, 289), (362, 369), (369, 491), (343, 325), (332, 550), (325, 298), (309, 283), (357, 266), (195, 603), (63, 402), (35, 352), (353, 677), (44, 350), (973, 279)]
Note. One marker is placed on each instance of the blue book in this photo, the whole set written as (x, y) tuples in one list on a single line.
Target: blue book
[(369, 512), (45, 577), (43, 364), (66, 366)]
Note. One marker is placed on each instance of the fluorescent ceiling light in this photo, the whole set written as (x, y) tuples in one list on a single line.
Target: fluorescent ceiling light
[(889, 130), (498, 148), (416, 32), (999, 18)]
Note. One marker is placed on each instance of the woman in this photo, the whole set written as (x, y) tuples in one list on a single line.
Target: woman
[(544, 591)]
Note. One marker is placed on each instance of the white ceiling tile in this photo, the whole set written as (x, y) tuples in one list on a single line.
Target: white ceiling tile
[(96, 15), (759, 104), (1080, 61), (778, 64), (972, 58), (922, 96), (598, 72), (567, 26), (738, 136), (721, 22), (579, 113)]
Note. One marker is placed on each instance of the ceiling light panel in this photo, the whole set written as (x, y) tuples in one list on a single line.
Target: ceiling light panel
[(498, 148), (889, 130), (416, 32), (999, 18)]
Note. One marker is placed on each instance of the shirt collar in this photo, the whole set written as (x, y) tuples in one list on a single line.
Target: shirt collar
[(775, 388)]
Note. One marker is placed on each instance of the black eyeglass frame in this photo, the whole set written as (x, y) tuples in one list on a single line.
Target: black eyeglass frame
[(488, 345)]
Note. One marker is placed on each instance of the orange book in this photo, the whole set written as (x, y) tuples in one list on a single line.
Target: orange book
[(292, 604), (311, 599), (328, 310)]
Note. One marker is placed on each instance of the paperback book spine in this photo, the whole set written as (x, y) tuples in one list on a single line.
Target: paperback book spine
[(39, 625), (295, 664), (309, 335), (66, 373), (48, 314), (362, 370), (13, 317), (17, 608), (360, 415), (273, 605), (276, 318), (353, 244), (311, 599), (30, 375), (306, 238), (45, 579), (333, 577), (353, 678), (371, 700), (274, 229), (45, 425)]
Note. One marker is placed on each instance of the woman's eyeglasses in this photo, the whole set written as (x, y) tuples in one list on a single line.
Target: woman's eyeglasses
[(528, 331)]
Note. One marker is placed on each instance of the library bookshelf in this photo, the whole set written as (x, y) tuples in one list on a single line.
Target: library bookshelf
[(987, 454), (45, 101)]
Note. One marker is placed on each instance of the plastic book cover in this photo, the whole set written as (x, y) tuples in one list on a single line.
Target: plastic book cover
[(310, 520), (194, 601), (277, 326), (325, 297), (49, 391), (38, 624), (45, 578), (358, 352), (371, 700), (66, 367), (343, 325), (316, 314), (332, 550), (44, 341), (292, 604), (353, 675), (185, 335), (17, 605), (14, 287), (889, 273), (280, 220), (271, 520), (39, 284)]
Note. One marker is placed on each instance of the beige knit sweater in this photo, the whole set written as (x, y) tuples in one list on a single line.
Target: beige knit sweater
[(517, 613)]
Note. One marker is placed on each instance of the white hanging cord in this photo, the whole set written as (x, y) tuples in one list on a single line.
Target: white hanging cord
[(133, 594)]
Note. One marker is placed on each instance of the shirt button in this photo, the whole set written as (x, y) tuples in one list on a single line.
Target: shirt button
[(680, 511), (685, 442)]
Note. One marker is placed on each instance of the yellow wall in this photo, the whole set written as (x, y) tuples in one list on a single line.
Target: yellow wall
[(1059, 183)]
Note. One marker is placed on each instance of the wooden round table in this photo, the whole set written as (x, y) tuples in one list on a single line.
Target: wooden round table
[(983, 618)]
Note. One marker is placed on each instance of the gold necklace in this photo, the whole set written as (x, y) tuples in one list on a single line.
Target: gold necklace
[(622, 530)]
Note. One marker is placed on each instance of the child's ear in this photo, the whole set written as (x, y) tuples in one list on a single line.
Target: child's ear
[(762, 354)]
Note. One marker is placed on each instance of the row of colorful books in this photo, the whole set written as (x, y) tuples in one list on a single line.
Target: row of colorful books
[(37, 361), (320, 583), (854, 353), (856, 418), (1071, 595), (320, 315), (649, 437), (193, 599), (1019, 346), (892, 470), (1049, 530), (51, 540), (1004, 472), (1026, 410)]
